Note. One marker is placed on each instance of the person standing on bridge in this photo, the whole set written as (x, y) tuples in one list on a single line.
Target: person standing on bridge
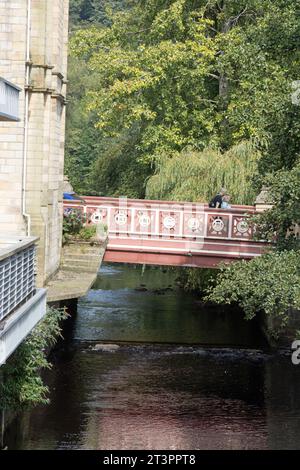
[(216, 201), (226, 201)]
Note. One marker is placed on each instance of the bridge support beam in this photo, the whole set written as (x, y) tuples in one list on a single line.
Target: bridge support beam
[(163, 259)]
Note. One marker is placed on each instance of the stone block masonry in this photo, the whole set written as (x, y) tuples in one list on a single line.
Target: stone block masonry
[(39, 27), (80, 263)]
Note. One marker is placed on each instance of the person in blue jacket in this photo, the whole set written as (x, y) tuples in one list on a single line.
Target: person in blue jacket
[(72, 197)]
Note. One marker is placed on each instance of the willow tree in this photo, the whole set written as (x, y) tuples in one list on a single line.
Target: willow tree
[(195, 176)]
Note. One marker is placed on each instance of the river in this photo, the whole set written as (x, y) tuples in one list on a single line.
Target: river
[(147, 366)]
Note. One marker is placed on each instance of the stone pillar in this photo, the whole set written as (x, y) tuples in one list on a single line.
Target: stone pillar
[(46, 134), (46, 124), (68, 188), (262, 202)]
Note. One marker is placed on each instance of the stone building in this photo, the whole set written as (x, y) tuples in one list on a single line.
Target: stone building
[(33, 66), (33, 56)]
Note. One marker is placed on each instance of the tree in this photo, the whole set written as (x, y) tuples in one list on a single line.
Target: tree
[(183, 84), (84, 12), (275, 277), (268, 284), (281, 223), (185, 176), (83, 143), (190, 73)]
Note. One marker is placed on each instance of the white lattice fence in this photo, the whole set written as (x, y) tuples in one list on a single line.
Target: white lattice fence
[(17, 279), (9, 100)]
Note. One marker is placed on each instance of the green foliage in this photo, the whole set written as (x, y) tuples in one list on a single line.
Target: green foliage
[(191, 95), (118, 172), (73, 222), (22, 386), (88, 232), (271, 283), (156, 87), (84, 12), (279, 223), (83, 142), (176, 74), (297, 334), (195, 176), (197, 280), (268, 284)]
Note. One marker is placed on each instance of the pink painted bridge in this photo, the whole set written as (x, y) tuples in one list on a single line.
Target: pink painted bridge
[(171, 233)]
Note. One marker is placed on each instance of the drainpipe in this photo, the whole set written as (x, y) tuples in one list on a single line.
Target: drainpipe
[(2, 429), (26, 112), (2, 418)]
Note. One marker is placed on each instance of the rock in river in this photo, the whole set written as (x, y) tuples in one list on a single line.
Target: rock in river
[(105, 347)]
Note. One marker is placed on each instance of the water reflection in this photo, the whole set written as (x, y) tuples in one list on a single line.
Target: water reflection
[(163, 396), (117, 310)]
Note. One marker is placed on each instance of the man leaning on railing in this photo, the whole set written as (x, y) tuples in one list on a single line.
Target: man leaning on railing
[(217, 200)]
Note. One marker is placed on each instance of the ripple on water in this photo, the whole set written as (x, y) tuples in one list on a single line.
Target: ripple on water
[(213, 387)]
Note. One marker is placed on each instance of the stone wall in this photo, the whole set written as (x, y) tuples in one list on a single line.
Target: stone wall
[(13, 16), (46, 89), (80, 263)]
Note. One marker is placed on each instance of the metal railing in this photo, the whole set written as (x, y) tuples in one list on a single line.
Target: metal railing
[(183, 220), (168, 232), (17, 273)]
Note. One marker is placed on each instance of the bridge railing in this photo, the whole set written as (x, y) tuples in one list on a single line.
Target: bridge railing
[(156, 219)]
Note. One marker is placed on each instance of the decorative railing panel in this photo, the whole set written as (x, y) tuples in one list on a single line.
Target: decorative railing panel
[(171, 233), (159, 219)]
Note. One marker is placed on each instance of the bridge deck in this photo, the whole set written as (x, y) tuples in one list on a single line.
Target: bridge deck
[(171, 233)]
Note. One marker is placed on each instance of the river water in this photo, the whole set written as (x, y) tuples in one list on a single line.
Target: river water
[(146, 366)]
